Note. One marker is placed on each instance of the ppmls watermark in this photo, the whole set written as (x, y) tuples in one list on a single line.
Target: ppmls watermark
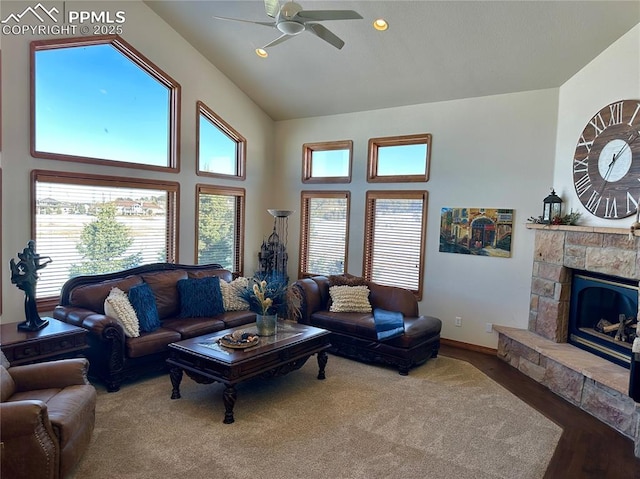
[(39, 20)]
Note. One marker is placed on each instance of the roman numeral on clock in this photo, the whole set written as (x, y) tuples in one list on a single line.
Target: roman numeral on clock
[(610, 208), (583, 184), (594, 202), (616, 113), (580, 166)]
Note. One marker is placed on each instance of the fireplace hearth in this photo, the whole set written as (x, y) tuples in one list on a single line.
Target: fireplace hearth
[(603, 315), (597, 385)]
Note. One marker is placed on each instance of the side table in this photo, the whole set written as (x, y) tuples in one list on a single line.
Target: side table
[(55, 341)]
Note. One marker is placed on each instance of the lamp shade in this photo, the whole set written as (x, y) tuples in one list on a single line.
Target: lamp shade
[(551, 207)]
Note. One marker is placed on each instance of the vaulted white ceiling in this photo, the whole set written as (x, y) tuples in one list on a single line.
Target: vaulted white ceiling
[(432, 51)]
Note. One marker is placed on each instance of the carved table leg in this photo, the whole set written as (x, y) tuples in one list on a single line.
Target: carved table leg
[(176, 377), (322, 362), (229, 398)]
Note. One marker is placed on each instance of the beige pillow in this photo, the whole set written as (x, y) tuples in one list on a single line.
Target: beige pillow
[(349, 299), (117, 306), (231, 294)]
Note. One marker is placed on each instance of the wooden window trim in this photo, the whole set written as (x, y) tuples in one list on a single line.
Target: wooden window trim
[(304, 222), (241, 143), (307, 161), (375, 143), (141, 61), (371, 197), (173, 206), (239, 193)]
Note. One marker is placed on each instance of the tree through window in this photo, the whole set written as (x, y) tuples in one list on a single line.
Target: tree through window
[(220, 226), (90, 224)]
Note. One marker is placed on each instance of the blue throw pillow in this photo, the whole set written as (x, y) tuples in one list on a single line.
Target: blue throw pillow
[(144, 304), (389, 324), (200, 297)]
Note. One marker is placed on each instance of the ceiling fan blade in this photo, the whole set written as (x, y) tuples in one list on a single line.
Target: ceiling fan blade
[(272, 7), (266, 24), (324, 33), (278, 40), (320, 15)]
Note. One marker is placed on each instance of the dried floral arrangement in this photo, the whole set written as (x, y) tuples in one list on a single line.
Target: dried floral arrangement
[(568, 219)]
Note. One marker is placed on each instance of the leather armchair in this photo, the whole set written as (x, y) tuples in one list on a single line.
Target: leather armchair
[(47, 415)]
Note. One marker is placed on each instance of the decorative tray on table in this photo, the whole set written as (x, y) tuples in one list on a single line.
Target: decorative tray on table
[(239, 340)]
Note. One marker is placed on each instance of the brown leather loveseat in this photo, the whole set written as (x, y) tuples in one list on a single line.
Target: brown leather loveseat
[(114, 357), (47, 416), (354, 334)]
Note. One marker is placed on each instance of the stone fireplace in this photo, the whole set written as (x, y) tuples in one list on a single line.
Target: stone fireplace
[(587, 380)]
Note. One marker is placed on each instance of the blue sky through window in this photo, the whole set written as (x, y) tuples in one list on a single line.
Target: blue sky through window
[(402, 160), (93, 101), (329, 163), (217, 152)]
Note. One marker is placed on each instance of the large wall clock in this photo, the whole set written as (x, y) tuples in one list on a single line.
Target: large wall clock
[(606, 164)]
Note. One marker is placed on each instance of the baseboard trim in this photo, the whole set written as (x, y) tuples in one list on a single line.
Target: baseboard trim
[(469, 346)]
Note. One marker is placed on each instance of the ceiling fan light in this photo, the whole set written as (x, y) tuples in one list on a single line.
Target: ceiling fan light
[(261, 52), (290, 28), (380, 24)]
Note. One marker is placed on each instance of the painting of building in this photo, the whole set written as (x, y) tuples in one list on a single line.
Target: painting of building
[(477, 231)]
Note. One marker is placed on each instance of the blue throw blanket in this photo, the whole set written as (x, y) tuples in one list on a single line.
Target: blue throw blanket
[(389, 324)]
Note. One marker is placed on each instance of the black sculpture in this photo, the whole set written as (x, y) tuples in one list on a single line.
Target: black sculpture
[(24, 275)]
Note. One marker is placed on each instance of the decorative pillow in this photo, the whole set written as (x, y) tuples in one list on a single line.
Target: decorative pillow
[(231, 294), (349, 299), (389, 324), (118, 306), (144, 304), (200, 298), (346, 280), (4, 362)]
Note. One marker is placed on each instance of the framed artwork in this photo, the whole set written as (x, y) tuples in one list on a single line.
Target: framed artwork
[(477, 231)]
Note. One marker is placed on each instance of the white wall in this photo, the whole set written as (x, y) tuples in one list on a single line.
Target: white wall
[(502, 151), (149, 34), (494, 152), (614, 75)]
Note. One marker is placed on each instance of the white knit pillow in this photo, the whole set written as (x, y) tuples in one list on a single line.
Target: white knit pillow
[(117, 306), (231, 294), (349, 299)]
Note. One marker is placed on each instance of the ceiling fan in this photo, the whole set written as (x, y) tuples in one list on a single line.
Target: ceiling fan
[(290, 19)]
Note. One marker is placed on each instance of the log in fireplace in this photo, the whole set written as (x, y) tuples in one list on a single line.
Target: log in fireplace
[(603, 315)]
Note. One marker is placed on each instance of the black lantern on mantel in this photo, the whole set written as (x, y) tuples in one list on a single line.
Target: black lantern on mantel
[(551, 207)]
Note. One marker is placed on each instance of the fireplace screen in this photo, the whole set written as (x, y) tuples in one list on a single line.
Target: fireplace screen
[(603, 315)]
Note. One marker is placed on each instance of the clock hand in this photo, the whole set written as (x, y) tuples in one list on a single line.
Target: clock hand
[(632, 138)]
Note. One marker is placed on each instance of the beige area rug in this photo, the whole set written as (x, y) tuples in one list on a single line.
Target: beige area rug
[(445, 420)]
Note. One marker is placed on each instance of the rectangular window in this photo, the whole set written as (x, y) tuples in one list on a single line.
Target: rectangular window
[(98, 100), (220, 226), (324, 232), (90, 224), (395, 230), (327, 162), (220, 149), (399, 158)]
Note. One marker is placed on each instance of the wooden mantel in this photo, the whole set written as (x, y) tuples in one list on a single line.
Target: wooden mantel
[(581, 229)]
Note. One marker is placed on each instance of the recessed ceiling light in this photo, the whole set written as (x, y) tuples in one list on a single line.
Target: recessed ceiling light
[(261, 52), (380, 24)]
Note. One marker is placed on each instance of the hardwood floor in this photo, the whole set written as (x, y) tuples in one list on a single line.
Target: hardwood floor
[(587, 448)]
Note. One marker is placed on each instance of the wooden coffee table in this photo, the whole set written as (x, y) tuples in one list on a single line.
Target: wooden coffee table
[(205, 361)]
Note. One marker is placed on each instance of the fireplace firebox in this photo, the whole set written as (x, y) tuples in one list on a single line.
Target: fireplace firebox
[(603, 315)]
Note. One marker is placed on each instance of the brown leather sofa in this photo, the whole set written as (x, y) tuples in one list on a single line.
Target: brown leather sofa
[(354, 335), (114, 357), (47, 416)]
